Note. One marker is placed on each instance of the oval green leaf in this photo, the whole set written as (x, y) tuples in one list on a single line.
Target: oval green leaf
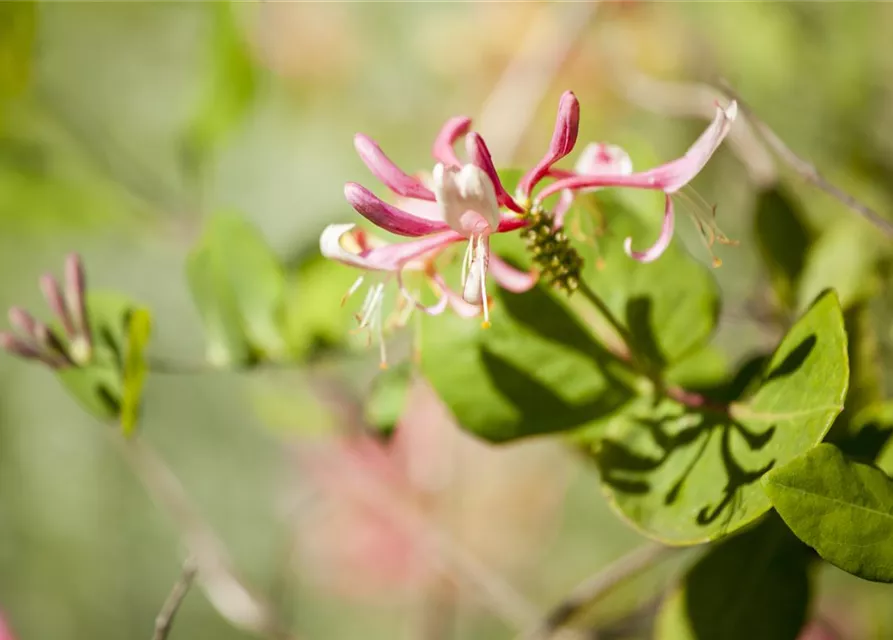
[(685, 477), (841, 508), (754, 585)]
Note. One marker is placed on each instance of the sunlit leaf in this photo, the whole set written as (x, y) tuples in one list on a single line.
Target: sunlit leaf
[(99, 386), (685, 476), (841, 508), (135, 368)]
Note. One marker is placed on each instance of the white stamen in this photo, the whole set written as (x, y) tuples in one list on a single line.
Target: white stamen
[(353, 289), (482, 268)]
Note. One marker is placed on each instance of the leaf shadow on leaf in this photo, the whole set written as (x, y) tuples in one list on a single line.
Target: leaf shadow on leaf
[(794, 360), (539, 403), (639, 312), (628, 471)]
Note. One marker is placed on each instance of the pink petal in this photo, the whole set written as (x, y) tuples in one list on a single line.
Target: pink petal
[(561, 208), (676, 174), (509, 278), (563, 139), (479, 155), (386, 216), (663, 241), (390, 257), (511, 223), (669, 177), (450, 132), (599, 158), (389, 173), (457, 304)]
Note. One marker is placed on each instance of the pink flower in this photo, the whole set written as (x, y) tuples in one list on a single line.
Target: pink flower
[(5, 631), (609, 166), (467, 202)]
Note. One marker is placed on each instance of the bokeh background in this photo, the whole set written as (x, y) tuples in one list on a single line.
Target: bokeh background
[(124, 125)]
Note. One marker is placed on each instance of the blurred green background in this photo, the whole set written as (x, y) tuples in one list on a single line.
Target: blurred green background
[(124, 125)]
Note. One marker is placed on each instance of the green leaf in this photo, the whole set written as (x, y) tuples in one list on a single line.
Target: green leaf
[(227, 344), (99, 386), (238, 286), (783, 240), (230, 88), (536, 370), (684, 476), (841, 508), (135, 368), (387, 397), (18, 26), (669, 306), (753, 585), (843, 258)]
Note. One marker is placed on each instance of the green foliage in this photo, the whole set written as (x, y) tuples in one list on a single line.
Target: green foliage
[(783, 239), (139, 330), (685, 476), (536, 370), (230, 87), (669, 306), (18, 25), (753, 585), (112, 378), (238, 286), (841, 508)]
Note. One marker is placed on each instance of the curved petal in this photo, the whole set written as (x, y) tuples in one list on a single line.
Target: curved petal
[(669, 177), (479, 155), (511, 223), (433, 310), (676, 174), (450, 132), (561, 208), (466, 198), (663, 240), (599, 158), (340, 242), (457, 304), (386, 216), (509, 278), (563, 139), (392, 176)]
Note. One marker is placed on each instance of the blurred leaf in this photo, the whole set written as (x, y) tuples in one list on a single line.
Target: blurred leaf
[(783, 240), (866, 374), (536, 370), (753, 585), (227, 344), (841, 508), (238, 286), (670, 306), (99, 386), (683, 476), (135, 368), (18, 26), (229, 91), (387, 397), (312, 309), (843, 258)]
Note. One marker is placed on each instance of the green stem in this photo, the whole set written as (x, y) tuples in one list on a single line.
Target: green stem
[(609, 316)]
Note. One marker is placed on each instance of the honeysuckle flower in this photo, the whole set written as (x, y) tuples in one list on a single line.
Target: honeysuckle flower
[(609, 166), (36, 340)]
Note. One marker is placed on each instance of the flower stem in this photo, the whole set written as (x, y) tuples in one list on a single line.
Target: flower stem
[(621, 331)]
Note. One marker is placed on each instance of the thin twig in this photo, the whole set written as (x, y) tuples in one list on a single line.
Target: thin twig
[(513, 102), (241, 605), (804, 169), (596, 587), (165, 619)]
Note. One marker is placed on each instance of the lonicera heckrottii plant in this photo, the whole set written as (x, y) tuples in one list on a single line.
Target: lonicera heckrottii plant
[(687, 452)]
